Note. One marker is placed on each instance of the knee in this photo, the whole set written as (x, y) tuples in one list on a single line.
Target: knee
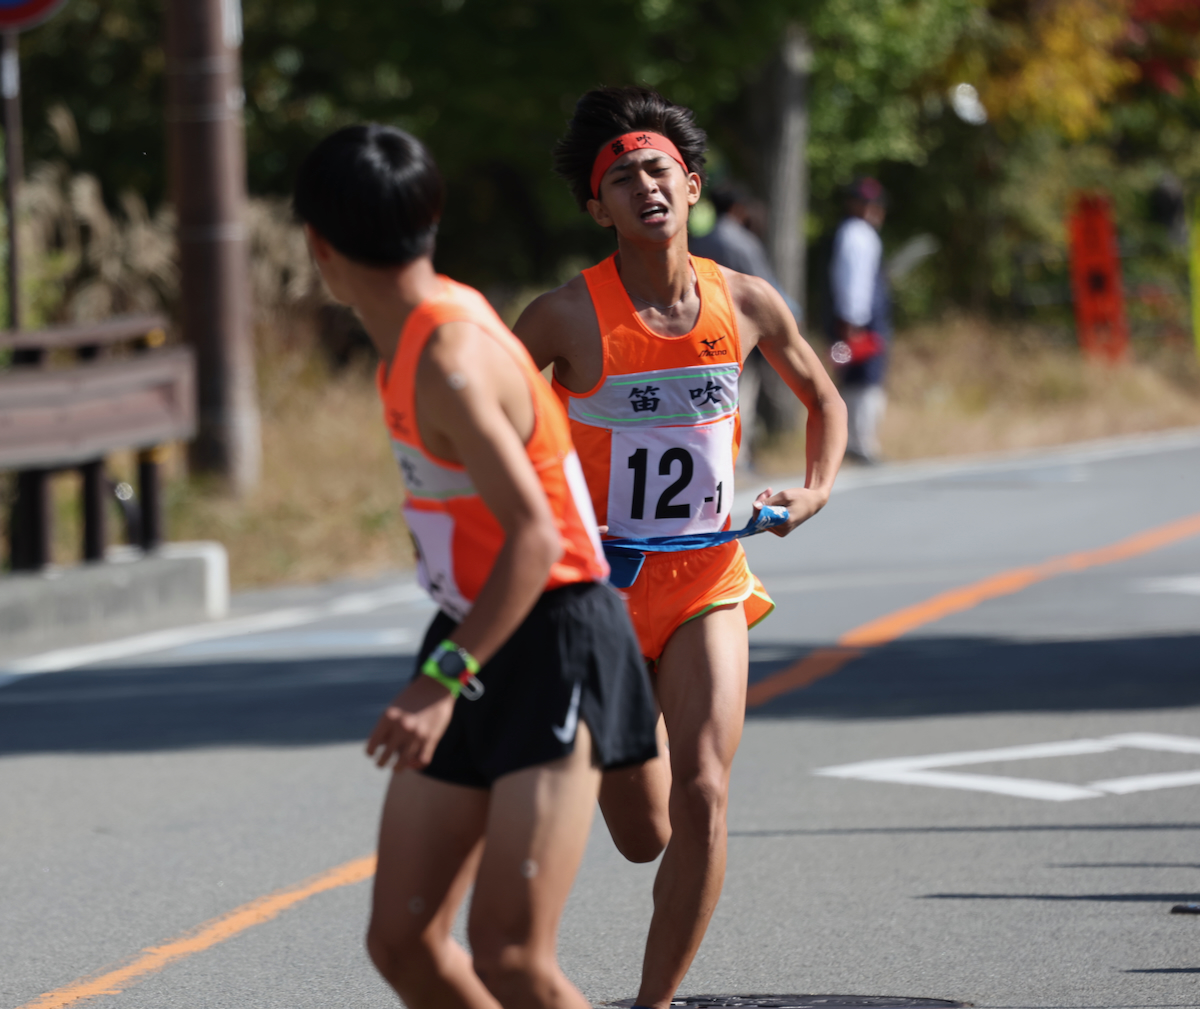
[(645, 845), (512, 971), (699, 801), (402, 958), (642, 840)]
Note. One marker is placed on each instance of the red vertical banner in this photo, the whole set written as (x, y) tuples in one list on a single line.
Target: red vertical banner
[(1096, 279)]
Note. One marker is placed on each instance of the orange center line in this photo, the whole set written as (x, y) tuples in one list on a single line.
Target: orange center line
[(262, 909), (823, 662)]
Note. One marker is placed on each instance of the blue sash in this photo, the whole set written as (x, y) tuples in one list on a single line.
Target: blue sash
[(626, 556)]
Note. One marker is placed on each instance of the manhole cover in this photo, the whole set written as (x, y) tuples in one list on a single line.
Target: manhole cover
[(804, 1002)]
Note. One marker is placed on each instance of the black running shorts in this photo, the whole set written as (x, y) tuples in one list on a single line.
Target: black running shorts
[(575, 658)]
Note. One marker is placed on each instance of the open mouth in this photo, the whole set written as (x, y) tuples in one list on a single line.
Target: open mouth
[(655, 212)]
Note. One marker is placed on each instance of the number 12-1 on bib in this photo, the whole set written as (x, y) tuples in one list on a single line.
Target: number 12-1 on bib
[(667, 481)]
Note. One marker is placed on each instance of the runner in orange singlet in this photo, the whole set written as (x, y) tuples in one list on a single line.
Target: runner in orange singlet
[(646, 349), (530, 678), (659, 435)]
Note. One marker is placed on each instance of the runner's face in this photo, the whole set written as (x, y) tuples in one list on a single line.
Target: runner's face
[(646, 194)]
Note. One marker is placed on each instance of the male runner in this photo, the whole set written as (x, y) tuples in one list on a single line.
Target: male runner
[(646, 349), (531, 666)]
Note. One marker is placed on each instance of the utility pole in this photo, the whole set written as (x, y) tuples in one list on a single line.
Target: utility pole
[(786, 178), (788, 173), (208, 189)]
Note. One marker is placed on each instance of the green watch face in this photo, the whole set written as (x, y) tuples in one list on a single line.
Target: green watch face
[(451, 664)]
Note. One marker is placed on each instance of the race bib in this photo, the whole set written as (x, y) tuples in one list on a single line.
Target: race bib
[(667, 481), (433, 534)]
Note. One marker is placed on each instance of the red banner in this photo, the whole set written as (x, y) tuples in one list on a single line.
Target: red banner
[(1096, 279)]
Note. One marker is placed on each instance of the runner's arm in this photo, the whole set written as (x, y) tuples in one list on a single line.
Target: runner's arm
[(560, 329), (475, 419), (471, 401), (538, 328), (773, 328)]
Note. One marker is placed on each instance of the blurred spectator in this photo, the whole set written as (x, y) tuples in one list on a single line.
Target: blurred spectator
[(860, 321), (733, 244)]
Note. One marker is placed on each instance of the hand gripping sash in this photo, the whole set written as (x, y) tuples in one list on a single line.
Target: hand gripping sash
[(626, 556)]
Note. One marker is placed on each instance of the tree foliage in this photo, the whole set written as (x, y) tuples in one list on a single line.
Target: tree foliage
[(1078, 91), (489, 85)]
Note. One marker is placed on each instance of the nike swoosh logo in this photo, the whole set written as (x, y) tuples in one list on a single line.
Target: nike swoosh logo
[(566, 732)]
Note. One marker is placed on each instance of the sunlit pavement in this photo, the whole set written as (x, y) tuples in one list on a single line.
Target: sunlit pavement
[(146, 795)]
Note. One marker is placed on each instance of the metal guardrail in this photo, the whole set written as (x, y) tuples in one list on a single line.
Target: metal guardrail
[(55, 418)]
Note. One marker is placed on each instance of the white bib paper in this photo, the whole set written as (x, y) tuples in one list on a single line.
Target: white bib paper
[(433, 535), (667, 481)]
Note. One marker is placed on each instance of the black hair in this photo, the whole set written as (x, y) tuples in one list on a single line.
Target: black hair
[(373, 192), (604, 113)]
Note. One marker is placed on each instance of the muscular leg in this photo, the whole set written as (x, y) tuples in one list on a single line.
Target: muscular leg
[(430, 841), (702, 691), (634, 801), (537, 829)]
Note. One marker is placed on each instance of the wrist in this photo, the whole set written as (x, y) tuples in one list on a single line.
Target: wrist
[(454, 668)]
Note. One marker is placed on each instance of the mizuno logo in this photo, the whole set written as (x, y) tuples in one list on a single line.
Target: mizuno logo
[(710, 348)]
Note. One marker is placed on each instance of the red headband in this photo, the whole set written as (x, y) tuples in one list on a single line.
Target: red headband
[(622, 145)]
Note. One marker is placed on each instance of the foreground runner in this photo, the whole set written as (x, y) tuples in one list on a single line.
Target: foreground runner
[(646, 348), (531, 666)]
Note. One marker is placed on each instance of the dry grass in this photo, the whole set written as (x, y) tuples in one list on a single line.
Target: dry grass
[(329, 502), (965, 386)]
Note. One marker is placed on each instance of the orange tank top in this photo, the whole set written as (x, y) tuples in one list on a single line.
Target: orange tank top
[(456, 537), (659, 433)]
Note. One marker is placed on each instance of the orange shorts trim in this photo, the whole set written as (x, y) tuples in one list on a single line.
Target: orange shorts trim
[(674, 588)]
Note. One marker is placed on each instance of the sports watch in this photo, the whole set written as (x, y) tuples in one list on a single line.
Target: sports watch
[(454, 668)]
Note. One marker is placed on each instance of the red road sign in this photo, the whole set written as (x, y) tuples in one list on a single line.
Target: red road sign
[(17, 15), (1096, 279)]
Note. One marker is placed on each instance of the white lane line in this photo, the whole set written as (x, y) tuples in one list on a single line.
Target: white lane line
[(156, 641), (919, 770), (1188, 585), (1075, 454), (308, 642), (1147, 782)]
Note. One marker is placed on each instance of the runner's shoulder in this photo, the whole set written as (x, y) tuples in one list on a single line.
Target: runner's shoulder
[(460, 348), (557, 320), (563, 304), (755, 298)]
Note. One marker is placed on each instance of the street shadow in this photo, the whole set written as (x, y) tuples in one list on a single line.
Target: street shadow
[(1165, 970), (942, 676), (1007, 828), (284, 703), (332, 700), (1136, 898)]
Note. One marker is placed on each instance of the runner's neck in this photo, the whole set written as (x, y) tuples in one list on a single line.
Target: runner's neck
[(661, 284)]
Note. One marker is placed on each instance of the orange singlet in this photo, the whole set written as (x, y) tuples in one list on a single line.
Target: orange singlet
[(658, 436), (457, 538)]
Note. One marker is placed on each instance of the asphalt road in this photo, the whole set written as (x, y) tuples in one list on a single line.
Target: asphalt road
[(147, 794)]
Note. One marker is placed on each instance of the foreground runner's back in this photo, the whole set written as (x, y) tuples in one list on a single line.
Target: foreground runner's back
[(457, 537), (530, 678)]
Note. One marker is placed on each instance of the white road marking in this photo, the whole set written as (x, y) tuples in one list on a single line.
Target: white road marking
[(176, 637), (1076, 454), (1188, 585), (918, 770), (307, 641)]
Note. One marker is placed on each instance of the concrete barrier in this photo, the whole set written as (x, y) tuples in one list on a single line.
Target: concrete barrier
[(181, 583)]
